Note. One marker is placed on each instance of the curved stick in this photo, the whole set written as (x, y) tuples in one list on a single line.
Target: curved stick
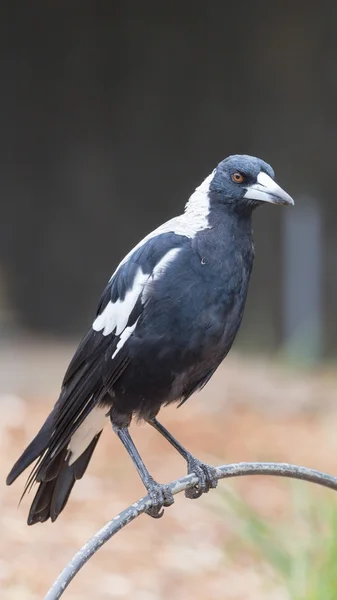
[(136, 509)]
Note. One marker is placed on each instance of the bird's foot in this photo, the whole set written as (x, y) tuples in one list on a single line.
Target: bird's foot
[(161, 496), (206, 475)]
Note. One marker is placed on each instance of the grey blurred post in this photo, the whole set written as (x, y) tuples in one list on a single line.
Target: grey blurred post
[(302, 282)]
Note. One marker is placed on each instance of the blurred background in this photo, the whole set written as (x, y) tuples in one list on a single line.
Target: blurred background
[(111, 115)]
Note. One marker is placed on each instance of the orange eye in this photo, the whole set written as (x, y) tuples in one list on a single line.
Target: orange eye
[(237, 177)]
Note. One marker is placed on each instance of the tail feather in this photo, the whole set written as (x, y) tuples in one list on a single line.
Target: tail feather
[(63, 447), (35, 449), (53, 492), (63, 486), (39, 510)]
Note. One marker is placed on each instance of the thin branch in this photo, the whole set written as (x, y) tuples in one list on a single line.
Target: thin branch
[(136, 509)]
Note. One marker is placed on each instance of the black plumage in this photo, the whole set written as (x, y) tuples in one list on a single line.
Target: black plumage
[(165, 321)]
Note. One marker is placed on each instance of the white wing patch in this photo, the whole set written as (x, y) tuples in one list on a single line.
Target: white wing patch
[(80, 440), (159, 270), (115, 316), (124, 337), (164, 263), (156, 273)]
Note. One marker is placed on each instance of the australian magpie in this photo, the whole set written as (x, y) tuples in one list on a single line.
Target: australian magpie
[(165, 321)]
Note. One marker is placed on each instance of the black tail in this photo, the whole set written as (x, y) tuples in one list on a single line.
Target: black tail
[(57, 483), (82, 391)]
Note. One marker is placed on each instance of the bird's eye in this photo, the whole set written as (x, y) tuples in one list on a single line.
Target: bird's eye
[(237, 177)]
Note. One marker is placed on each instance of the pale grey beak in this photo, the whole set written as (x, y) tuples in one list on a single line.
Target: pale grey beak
[(267, 190)]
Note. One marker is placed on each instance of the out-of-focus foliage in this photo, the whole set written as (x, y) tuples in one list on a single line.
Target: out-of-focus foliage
[(297, 551)]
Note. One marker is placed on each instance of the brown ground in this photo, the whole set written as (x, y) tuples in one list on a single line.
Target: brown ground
[(249, 411)]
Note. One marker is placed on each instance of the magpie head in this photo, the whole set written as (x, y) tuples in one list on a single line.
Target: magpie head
[(245, 182)]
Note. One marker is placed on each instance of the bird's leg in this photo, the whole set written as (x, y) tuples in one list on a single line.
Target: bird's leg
[(205, 473), (160, 494)]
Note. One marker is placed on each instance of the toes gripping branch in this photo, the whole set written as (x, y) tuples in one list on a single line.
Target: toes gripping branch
[(161, 495)]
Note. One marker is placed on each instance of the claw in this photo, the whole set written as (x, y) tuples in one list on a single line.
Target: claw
[(161, 496), (153, 512), (206, 475)]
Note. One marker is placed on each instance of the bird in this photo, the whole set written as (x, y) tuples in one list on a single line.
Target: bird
[(165, 322)]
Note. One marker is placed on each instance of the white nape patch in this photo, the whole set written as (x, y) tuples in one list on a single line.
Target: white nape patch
[(197, 208), (194, 219), (267, 190), (115, 316), (86, 432), (124, 337)]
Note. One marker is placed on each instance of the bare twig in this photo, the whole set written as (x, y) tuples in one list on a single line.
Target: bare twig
[(136, 509)]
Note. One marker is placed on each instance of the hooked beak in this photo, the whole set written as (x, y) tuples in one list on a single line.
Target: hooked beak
[(267, 190)]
